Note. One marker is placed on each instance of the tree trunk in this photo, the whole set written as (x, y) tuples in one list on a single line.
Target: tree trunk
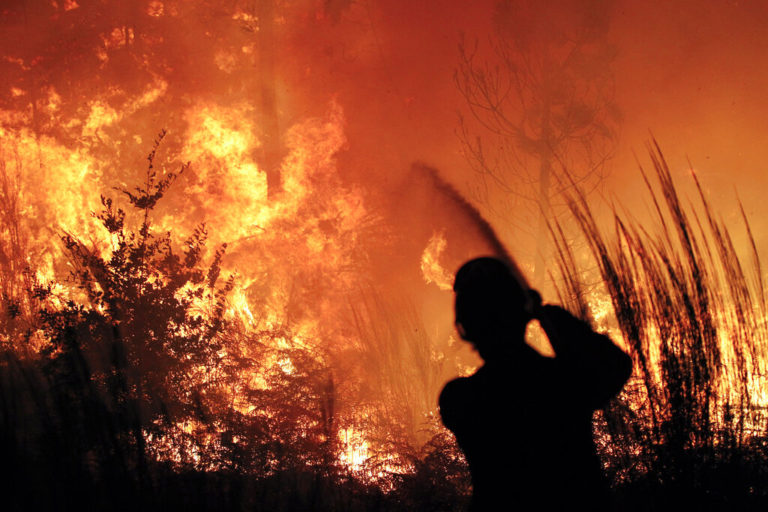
[(545, 171), (265, 68), (542, 238)]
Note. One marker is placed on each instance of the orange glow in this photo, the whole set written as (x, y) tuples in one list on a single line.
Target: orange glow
[(338, 99)]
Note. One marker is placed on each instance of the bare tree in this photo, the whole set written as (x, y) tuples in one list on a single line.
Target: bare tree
[(541, 102)]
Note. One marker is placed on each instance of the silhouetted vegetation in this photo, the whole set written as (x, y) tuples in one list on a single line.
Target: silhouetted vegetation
[(690, 430), (147, 394)]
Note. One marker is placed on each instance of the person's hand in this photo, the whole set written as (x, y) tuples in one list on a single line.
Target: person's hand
[(534, 303)]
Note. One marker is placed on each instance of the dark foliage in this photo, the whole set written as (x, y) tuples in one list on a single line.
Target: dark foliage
[(147, 395)]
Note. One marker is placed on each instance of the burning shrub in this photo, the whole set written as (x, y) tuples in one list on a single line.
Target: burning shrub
[(150, 389)]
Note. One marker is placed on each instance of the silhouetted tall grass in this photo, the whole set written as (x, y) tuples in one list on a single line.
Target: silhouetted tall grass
[(690, 428)]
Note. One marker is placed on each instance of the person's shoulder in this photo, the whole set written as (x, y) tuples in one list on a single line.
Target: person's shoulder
[(457, 390), (457, 385), (454, 399)]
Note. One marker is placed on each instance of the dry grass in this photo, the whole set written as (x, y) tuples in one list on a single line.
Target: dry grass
[(690, 426)]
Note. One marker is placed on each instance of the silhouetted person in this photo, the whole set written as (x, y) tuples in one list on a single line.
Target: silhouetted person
[(524, 421)]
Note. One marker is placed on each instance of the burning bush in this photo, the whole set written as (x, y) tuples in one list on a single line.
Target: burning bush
[(152, 389)]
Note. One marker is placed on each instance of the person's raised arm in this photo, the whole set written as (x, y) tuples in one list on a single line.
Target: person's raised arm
[(596, 366)]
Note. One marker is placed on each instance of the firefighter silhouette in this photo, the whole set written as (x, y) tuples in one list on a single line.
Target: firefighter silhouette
[(523, 420)]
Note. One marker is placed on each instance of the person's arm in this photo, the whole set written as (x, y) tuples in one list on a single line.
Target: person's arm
[(596, 366)]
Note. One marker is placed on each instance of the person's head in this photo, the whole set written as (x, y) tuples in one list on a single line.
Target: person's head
[(492, 309)]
